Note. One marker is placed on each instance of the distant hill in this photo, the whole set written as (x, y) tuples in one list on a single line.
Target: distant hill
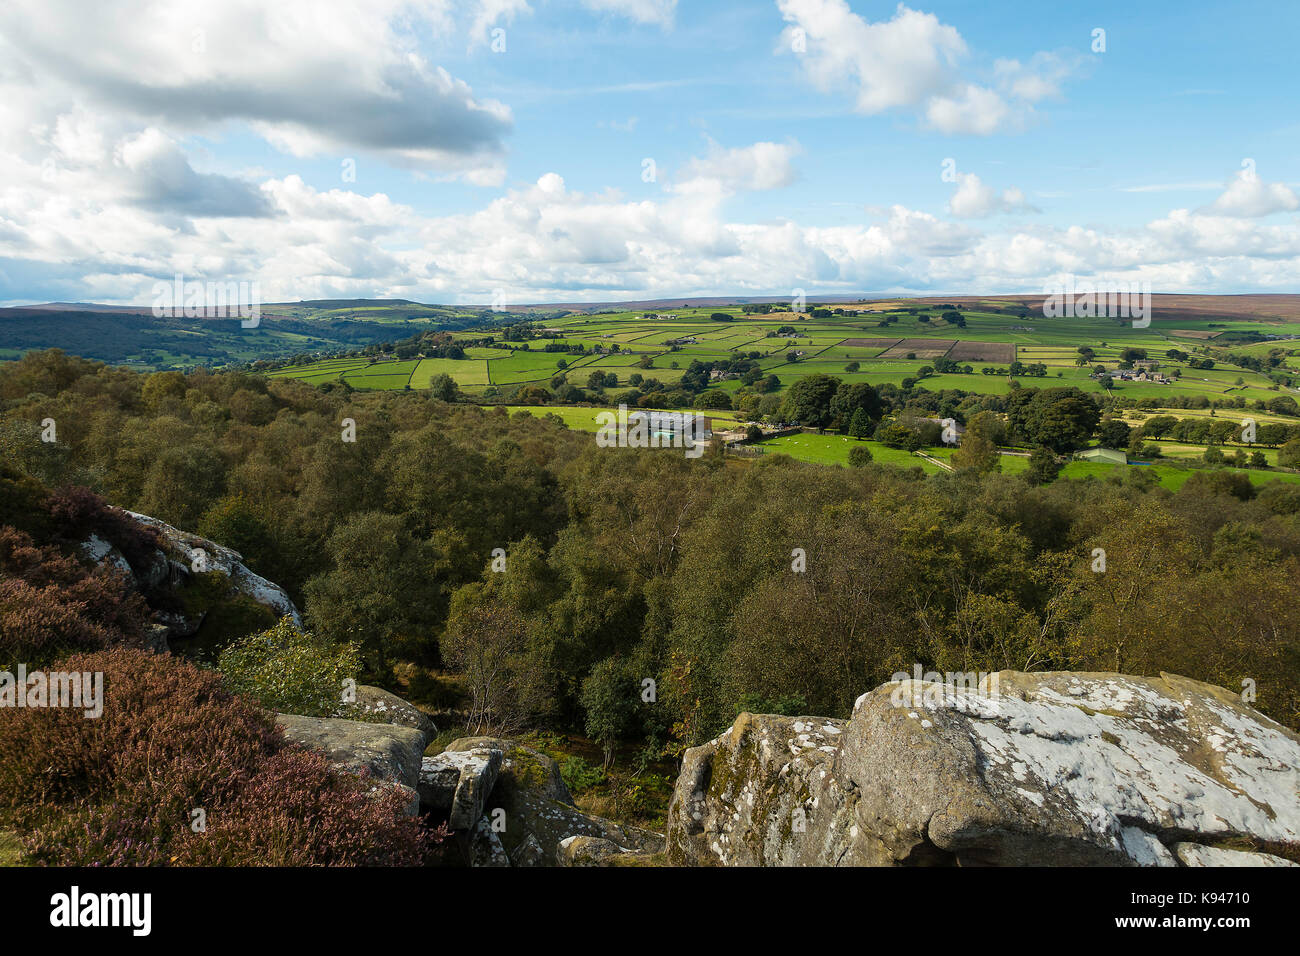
[(132, 335)]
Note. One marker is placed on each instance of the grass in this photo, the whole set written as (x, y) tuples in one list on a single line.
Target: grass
[(582, 418), (1036, 339), (11, 849), (464, 371), (834, 450)]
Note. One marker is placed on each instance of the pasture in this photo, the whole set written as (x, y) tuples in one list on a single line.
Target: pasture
[(880, 343)]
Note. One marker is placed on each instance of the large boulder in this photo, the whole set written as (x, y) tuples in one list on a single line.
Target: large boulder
[(531, 811), (458, 782), (180, 555), (381, 706), (746, 798), (387, 753), (1025, 769), (586, 851)]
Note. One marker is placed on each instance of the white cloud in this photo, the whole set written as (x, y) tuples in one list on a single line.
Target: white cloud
[(161, 178), (912, 62), (492, 12), (1041, 79), (973, 199), (310, 75), (659, 12), (73, 239), (972, 110), (761, 166), (1248, 196)]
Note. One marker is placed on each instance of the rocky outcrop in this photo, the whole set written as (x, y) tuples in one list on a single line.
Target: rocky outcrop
[(184, 554), (1026, 769), (527, 809), (593, 851), (163, 575)]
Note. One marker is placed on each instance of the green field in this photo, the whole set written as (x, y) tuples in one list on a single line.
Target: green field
[(827, 344), (834, 450), (583, 418), (890, 346)]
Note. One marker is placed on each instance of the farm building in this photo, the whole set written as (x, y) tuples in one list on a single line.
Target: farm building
[(1109, 455)]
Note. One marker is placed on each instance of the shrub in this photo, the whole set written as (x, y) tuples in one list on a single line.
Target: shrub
[(579, 775), (859, 456), (22, 502), (79, 512), (299, 811), (120, 789), (170, 739), (51, 604), (610, 698), (290, 670)]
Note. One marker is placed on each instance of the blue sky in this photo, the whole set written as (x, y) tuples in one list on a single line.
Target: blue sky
[(213, 141)]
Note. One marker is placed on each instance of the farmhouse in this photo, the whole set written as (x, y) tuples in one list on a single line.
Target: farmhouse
[(1139, 375), (957, 429)]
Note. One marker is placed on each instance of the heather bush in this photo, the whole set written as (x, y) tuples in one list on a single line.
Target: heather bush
[(51, 603), (79, 512), (120, 789), (298, 811), (291, 670)]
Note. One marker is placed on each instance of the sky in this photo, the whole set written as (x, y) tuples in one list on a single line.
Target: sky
[(520, 151)]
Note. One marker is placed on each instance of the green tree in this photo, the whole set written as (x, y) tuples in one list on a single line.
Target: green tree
[(1044, 466), (1114, 433), (611, 699), (1062, 419), (808, 400), (382, 591), (860, 425), (851, 398), (444, 388), (488, 642), (976, 454)]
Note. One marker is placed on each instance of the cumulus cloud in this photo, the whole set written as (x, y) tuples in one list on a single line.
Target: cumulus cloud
[(160, 177), (309, 75), (912, 62), (761, 166), (1041, 78), (547, 241), (973, 199), (1248, 196)]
